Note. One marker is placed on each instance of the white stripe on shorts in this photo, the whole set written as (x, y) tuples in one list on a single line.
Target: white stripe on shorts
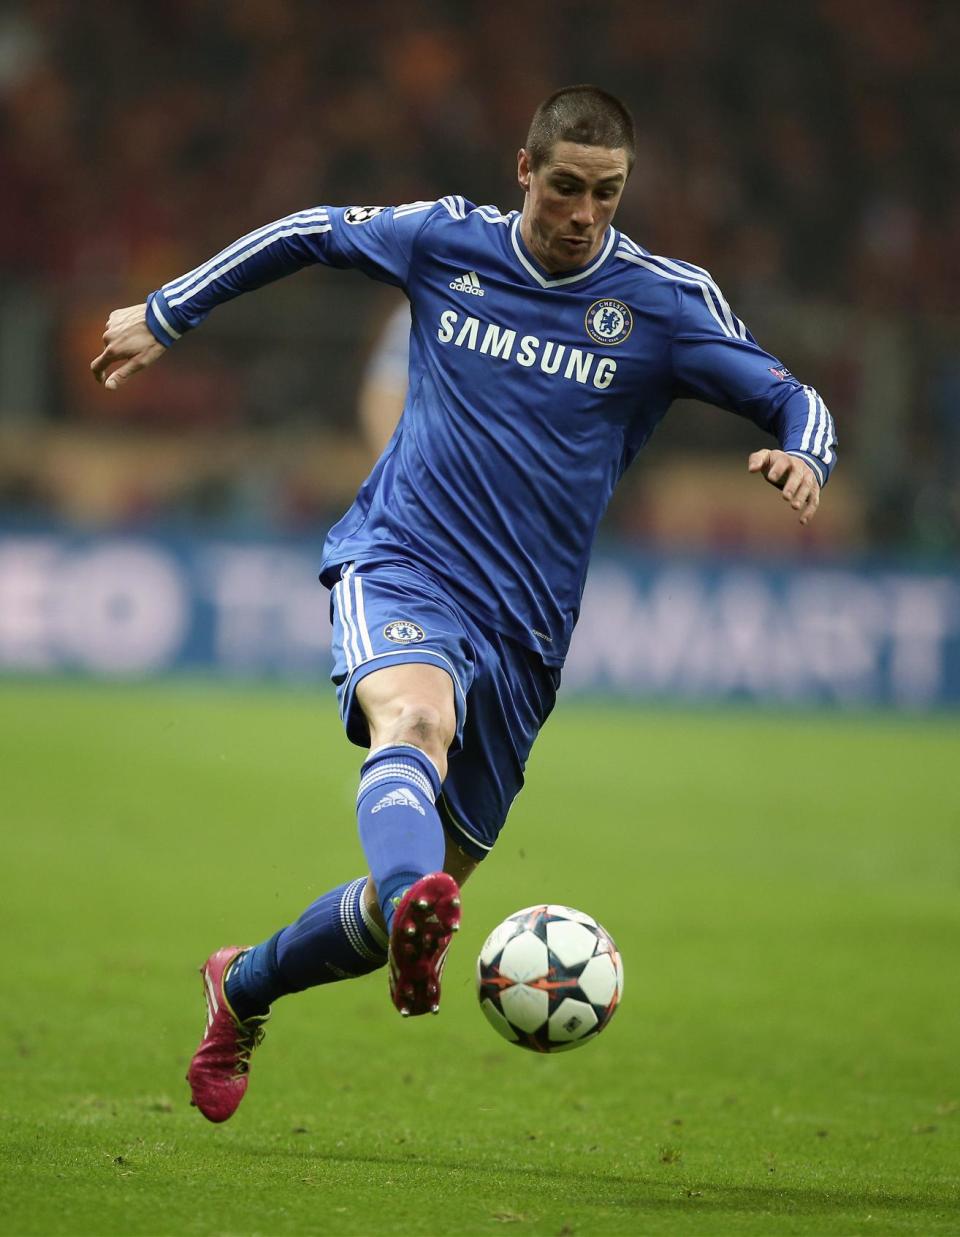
[(338, 602), (351, 632), (361, 619)]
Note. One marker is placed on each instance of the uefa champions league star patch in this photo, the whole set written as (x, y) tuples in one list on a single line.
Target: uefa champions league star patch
[(402, 631), (362, 214), (608, 322)]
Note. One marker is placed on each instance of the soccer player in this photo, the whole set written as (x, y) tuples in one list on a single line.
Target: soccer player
[(545, 347)]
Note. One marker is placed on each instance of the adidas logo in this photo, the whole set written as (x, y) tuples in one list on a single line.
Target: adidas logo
[(467, 282), (399, 798)]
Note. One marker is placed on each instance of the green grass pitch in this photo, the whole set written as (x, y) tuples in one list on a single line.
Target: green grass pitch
[(785, 1061)]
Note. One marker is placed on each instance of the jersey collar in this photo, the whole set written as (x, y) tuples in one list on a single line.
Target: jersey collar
[(533, 268)]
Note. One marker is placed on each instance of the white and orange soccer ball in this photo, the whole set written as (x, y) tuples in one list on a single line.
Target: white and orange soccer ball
[(549, 978)]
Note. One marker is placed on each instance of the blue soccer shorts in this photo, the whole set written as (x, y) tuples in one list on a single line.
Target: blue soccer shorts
[(392, 613)]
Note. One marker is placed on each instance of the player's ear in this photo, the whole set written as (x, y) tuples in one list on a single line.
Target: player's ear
[(523, 170)]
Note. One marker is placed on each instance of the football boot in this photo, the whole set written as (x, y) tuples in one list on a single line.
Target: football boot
[(423, 926), (220, 1068)]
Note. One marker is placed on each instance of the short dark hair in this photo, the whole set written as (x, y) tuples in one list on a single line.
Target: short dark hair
[(583, 114)]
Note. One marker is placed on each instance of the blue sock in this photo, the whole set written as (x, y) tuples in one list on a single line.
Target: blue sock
[(334, 938), (400, 830)]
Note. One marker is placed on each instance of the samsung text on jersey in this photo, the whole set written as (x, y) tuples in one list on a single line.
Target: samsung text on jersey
[(499, 341)]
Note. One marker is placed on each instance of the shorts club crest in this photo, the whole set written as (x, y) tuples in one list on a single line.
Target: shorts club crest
[(402, 631)]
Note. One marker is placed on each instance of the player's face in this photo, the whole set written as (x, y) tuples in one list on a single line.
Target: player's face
[(570, 200)]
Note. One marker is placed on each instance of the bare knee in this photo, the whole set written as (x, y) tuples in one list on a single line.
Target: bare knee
[(410, 704), (420, 724)]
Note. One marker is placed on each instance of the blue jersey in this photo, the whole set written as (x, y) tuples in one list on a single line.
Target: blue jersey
[(529, 393)]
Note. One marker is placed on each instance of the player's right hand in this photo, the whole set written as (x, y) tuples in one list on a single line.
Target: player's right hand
[(129, 340)]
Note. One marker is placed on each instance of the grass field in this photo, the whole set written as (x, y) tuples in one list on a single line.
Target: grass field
[(784, 892)]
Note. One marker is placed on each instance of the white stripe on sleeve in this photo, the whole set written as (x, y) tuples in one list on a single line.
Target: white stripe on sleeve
[(821, 428), (162, 320), (811, 419), (637, 260), (247, 253), (316, 215)]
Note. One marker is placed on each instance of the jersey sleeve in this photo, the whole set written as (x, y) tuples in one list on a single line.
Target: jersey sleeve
[(380, 241), (716, 359)]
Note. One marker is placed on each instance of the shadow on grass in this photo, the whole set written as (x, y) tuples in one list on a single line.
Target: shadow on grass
[(652, 1193)]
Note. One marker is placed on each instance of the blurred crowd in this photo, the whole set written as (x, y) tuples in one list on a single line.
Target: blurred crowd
[(808, 153)]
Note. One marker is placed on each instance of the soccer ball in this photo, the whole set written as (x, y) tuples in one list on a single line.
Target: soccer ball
[(549, 978)]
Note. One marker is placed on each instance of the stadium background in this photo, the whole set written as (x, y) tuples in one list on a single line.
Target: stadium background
[(807, 157), (779, 801)]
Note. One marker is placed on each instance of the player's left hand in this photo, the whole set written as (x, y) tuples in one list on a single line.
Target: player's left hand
[(792, 477)]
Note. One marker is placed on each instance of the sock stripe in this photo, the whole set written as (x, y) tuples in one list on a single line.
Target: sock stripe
[(369, 784), (421, 754), (399, 766), (399, 771), (351, 925), (345, 920), (376, 932)]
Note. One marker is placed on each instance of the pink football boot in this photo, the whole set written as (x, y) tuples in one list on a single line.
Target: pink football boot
[(427, 917), (220, 1066)]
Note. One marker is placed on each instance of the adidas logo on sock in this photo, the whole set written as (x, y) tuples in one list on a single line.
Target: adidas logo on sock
[(467, 282), (399, 798)]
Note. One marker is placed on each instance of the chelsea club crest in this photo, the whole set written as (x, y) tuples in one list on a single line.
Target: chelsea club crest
[(608, 322), (403, 631)]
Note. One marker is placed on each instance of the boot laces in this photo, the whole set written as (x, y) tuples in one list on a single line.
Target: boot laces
[(249, 1036)]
